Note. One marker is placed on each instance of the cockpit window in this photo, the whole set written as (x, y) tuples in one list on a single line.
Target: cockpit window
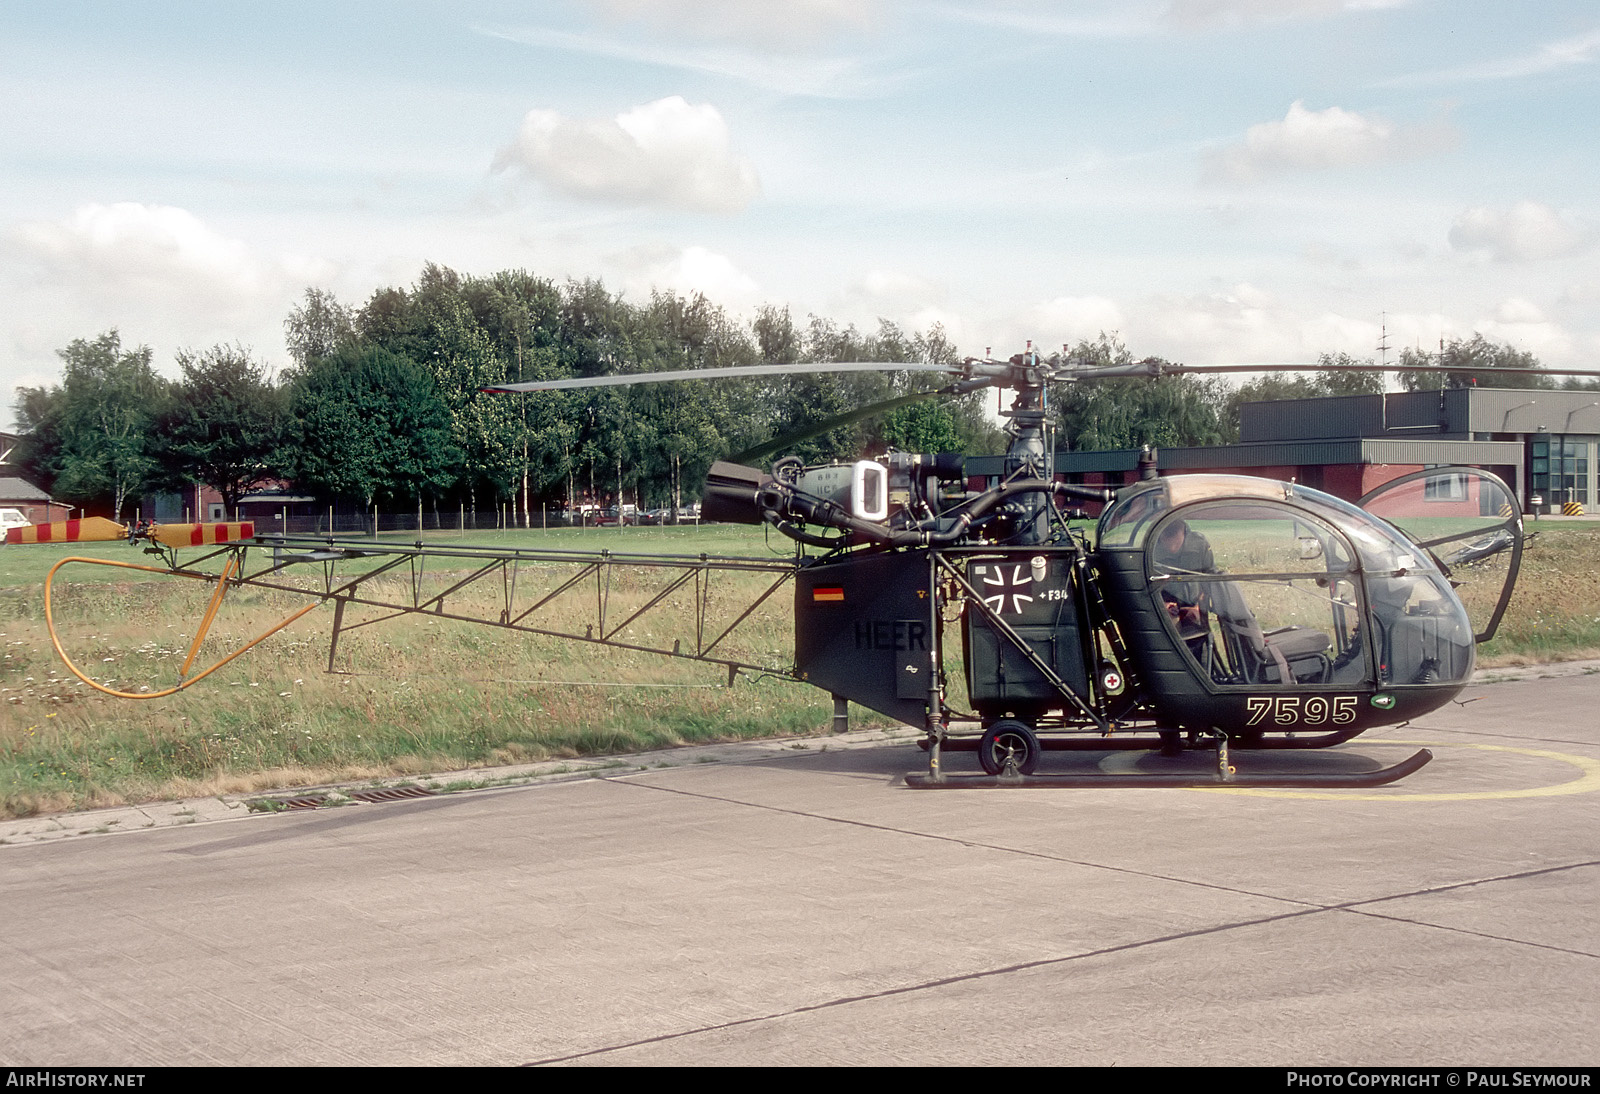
[(1381, 546), (1302, 592), (1128, 519), (1260, 593)]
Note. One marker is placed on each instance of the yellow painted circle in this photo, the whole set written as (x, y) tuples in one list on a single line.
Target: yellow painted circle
[(1588, 780)]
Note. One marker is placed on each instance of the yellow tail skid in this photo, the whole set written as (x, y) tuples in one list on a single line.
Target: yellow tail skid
[(184, 680)]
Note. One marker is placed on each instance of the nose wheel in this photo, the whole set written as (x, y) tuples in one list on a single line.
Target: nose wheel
[(1009, 743)]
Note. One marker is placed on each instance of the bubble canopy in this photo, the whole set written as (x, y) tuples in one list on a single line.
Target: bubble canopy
[(1270, 583), (1127, 522)]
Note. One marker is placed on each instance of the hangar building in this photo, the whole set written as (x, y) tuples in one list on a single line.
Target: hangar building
[(1541, 442)]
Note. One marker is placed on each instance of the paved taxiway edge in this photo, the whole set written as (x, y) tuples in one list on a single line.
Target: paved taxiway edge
[(126, 819)]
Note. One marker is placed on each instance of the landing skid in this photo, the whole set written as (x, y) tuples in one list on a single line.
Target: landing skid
[(1137, 742), (1225, 775)]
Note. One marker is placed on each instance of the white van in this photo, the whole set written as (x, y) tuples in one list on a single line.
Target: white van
[(11, 518)]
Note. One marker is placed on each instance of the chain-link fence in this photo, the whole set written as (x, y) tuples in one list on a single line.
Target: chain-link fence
[(350, 522)]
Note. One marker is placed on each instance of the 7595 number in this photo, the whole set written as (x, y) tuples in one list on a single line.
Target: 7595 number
[(1301, 710)]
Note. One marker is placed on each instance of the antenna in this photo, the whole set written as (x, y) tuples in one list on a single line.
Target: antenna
[(1383, 339)]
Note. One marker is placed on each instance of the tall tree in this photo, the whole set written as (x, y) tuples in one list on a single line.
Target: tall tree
[(1472, 363), (942, 424), (681, 427), (317, 327), (927, 426), (223, 425), (368, 425), (1171, 410), (91, 441), (1345, 374), (1337, 374), (485, 428)]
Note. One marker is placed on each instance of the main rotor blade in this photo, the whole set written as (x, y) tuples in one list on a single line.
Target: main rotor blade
[(624, 379), (1481, 370), (815, 429), (1154, 368)]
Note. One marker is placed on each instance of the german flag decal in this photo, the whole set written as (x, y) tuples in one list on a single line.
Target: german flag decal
[(821, 592)]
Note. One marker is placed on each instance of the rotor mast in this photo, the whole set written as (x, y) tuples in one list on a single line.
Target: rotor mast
[(1031, 453)]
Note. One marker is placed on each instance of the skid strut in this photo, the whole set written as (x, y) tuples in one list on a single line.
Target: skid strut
[(1224, 776)]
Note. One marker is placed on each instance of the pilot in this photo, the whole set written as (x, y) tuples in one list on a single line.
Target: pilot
[(1179, 549)]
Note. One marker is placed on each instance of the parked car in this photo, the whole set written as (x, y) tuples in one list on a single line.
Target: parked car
[(12, 518)]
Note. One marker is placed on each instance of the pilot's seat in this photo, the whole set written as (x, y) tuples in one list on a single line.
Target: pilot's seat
[(1284, 655)]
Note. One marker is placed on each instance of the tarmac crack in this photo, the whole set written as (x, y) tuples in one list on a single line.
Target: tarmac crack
[(1354, 907), (927, 985), (1308, 908), (976, 845), (1500, 736)]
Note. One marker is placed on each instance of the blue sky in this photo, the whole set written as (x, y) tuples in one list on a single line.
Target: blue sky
[(1214, 180)]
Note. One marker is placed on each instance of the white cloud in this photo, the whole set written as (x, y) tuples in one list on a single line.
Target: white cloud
[(1331, 332), (1238, 326), (687, 272), (814, 73), (1516, 309), (1076, 318), (698, 270), (1582, 49), (894, 285), (1126, 18), (662, 153), (781, 24), (128, 247), (905, 297), (1308, 140), (1547, 341), (1514, 321), (1581, 293), (1244, 324), (1526, 232), (924, 320), (1098, 19), (109, 265), (1231, 13), (158, 273), (913, 302)]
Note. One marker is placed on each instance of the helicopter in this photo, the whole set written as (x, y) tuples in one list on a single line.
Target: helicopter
[(1204, 612), (1220, 608)]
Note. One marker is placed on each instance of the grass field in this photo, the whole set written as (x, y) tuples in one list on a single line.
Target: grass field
[(423, 694)]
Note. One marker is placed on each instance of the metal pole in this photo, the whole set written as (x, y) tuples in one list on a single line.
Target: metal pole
[(934, 721)]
